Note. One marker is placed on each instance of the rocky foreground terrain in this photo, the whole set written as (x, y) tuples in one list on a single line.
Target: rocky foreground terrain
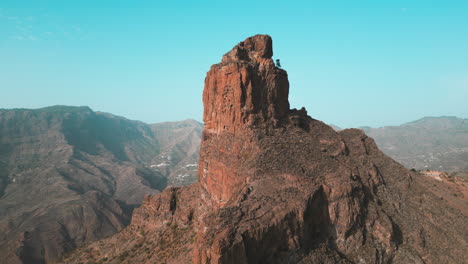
[(69, 176), (277, 186)]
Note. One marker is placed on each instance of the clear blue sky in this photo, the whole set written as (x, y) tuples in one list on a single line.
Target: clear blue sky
[(350, 63)]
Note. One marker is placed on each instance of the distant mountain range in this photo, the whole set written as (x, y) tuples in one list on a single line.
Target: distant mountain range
[(435, 143), (179, 147), (69, 175)]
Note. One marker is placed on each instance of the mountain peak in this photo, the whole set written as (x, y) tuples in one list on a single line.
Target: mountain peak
[(258, 47), (246, 89)]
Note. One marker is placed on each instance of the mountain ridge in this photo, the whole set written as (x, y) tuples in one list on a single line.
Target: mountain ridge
[(436, 143), (69, 175)]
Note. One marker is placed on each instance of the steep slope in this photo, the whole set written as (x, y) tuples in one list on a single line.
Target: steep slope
[(69, 176), (276, 186), (436, 143)]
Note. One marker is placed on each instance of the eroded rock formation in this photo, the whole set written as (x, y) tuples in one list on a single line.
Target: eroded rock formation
[(277, 186), (245, 89)]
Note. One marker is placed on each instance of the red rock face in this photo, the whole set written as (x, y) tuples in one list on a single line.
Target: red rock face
[(246, 90), (276, 186)]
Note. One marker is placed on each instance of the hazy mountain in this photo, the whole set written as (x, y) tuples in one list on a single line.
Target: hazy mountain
[(179, 143), (69, 175), (437, 143)]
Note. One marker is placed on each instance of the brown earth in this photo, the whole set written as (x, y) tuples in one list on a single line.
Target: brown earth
[(69, 176), (277, 186)]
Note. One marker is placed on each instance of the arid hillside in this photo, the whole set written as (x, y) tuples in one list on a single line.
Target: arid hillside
[(69, 175), (435, 143)]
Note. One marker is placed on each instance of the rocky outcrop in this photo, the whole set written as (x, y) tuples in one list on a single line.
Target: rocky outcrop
[(245, 89), (243, 92), (276, 186)]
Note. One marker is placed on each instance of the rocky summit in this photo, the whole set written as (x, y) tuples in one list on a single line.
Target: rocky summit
[(277, 186)]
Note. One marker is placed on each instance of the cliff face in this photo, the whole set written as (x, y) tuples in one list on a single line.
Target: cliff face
[(245, 89), (242, 92), (276, 186)]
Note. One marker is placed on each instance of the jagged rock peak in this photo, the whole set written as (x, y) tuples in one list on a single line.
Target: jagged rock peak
[(251, 49), (246, 89)]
